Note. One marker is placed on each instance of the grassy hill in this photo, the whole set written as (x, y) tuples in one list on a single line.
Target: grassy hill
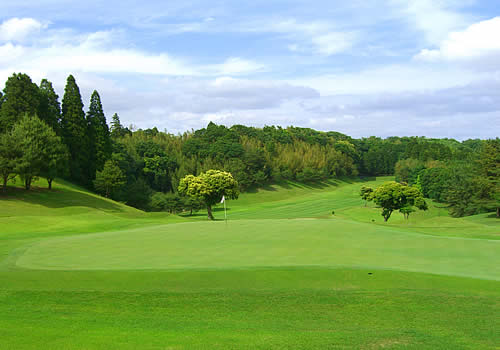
[(78, 271)]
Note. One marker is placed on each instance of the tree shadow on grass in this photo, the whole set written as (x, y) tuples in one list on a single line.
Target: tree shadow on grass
[(59, 198)]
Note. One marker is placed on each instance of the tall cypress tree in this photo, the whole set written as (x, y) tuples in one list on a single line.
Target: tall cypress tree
[(50, 108), (99, 136), (21, 97), (74, 131)]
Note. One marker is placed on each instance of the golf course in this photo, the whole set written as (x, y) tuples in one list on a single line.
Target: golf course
[(78, 271)]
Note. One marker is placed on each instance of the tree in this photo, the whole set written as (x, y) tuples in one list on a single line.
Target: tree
[(489, 161), (395, 196), (50, 108), (365, 193), (21, 97), (9, 154), (406, 170), (210, 187), (109, 179), (39, 148), (74, 131), (99, 136), (57, 162), (117, 129)]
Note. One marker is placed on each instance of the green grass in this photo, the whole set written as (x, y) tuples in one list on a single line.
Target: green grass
[(81, 272)]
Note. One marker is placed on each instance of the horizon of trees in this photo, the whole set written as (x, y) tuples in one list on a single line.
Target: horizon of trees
[(143, 168)]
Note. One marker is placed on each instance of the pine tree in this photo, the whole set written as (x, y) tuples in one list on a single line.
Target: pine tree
[(50, 108), (74, 131), (21, 97), (99, 136), (117, 129)]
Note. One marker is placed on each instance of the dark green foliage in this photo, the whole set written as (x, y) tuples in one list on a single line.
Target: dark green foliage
[(117, 129), (467, 194), (170, 202), (21, 97), (489, 168), (216, 141), (138, 194), (407, 170), (9, 155), (157, 166), (435, 182), (98, 136), (50, 108), (74, 131)]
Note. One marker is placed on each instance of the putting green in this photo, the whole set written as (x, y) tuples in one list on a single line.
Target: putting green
[(267, 243)]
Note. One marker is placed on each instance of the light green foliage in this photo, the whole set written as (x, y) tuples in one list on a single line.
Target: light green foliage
[(38, 147), (365, 192), (395, 196), (210, 187), (109, 178)]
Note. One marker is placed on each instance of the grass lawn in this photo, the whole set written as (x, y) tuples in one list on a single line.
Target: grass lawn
[(81, 272)]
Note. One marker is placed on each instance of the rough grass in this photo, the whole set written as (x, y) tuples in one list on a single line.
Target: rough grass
[(81, 272)]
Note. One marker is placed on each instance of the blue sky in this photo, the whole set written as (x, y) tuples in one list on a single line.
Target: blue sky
[(385, 67)]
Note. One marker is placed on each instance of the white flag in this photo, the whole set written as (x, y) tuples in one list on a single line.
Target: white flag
[(223, 199)]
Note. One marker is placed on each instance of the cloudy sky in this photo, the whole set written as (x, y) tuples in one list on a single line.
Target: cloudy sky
[(361, 67)]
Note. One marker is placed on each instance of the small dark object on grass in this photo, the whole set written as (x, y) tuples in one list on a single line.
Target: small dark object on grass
[(373, 220), (333, 212), (370, 273)]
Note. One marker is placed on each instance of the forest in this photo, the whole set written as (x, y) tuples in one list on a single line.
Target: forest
[(43, 137)]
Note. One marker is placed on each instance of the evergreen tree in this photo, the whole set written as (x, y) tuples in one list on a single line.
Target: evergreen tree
[(74, 131), (21, 96), (50, 108), (99, 136), (117, 129)]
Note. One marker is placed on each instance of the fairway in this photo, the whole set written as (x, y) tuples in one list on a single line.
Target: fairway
[(282, 273)]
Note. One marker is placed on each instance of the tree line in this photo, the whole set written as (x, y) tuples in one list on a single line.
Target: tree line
[(144, 168)]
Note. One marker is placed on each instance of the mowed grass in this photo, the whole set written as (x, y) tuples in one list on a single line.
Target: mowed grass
[(81, 272)]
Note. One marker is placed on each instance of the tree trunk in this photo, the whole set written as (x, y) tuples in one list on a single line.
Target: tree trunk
[(498, 212), (209, 210), (5, 179), (50, 183), (27, 183)]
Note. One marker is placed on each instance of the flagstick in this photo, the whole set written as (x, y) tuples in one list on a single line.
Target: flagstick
[(225, 213)]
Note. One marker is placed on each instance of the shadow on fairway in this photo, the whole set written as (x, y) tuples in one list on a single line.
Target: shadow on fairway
[(59, 198)]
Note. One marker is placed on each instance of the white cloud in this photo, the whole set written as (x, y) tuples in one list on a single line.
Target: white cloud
[(316, 37), (390, 79), (236, 66), (434, 18), (313, 37), (18, 29), (66, 51), (478, 40)]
